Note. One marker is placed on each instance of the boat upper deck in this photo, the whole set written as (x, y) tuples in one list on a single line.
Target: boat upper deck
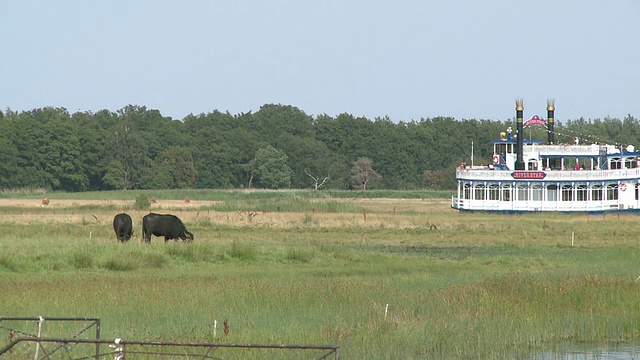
[(482, 173), (545, 150)]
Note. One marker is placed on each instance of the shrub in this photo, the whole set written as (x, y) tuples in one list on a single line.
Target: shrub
[(142, 202)]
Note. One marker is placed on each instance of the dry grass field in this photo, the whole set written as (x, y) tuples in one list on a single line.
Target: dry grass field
[(375, 213)]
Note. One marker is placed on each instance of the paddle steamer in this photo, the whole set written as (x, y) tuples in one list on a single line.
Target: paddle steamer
[(533, 175)]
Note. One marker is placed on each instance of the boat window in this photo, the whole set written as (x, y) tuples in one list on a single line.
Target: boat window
[(466, 193), (612, 192), (536, 192), (494, 192), (616, 163), (506, 193), (596, 193), (581, 192), (552, 192), (567, 192), (630, 162), (523, 193), (479, 192), (532, 164)]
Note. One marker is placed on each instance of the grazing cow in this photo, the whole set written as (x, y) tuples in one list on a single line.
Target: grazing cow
[(123, 226), (169, 226)]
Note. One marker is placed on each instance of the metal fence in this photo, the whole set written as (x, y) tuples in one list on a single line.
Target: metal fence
[(25, 340), (33, 327), (118, 349)]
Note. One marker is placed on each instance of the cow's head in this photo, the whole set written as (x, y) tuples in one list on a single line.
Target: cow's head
[(188, 236), (128, 236)]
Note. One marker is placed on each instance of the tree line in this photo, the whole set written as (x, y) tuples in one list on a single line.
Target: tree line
[(278, 146)]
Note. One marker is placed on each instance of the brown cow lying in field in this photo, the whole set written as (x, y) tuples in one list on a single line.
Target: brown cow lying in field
[(45, 202)]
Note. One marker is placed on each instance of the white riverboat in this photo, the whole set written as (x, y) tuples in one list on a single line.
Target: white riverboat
[(533, 175)]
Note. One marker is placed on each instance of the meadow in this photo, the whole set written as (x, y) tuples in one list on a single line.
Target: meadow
[(382, 275)]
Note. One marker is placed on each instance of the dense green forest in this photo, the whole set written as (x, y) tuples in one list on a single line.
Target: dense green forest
[(277, 147)]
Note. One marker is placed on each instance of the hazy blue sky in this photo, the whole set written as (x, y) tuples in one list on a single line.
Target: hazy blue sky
[(402, 59)]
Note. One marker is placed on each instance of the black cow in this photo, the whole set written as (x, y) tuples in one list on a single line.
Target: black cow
[(169, 226), (123, 226)]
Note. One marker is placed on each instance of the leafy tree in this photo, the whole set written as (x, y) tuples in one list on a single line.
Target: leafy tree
[(173, 169), (8, 162), (305, 156), (62, 155), (275, 119), (114, 177), (93, 131), (34, 139), (251, 169), (219, 142), (280, 146), (271, 168), (125, 147), (152, 129), (362, 172)]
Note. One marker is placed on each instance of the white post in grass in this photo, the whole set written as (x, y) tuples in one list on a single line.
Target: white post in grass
[(215, 325), (118, 349), (572, 237), (40, 321), (386, 310)]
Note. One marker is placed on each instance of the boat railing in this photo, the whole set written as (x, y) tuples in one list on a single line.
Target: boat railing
[(576, 175), (567, 150), (569, 206)]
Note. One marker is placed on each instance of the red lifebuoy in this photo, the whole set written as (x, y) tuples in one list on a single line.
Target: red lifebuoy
[(496, 159), (623, 187)]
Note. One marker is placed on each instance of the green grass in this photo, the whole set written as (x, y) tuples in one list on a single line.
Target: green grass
[(477, 286), (207, 194)]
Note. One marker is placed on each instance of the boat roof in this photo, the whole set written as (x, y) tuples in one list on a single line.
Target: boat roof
[(514, 141)]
